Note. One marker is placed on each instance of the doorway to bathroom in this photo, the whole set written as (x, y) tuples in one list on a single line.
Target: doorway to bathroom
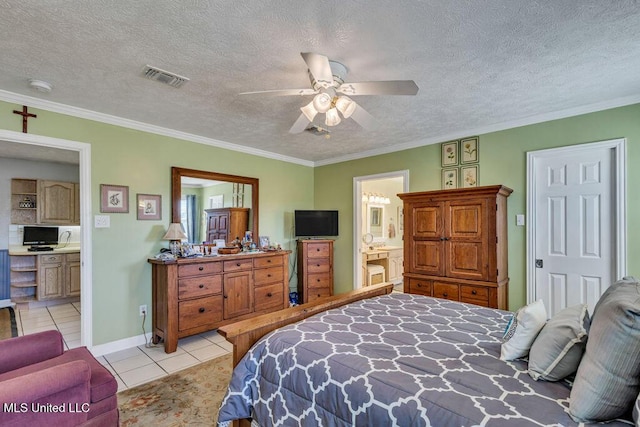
[(378, 241)]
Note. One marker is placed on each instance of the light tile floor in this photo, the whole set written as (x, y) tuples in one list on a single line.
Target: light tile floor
[(133, 366)]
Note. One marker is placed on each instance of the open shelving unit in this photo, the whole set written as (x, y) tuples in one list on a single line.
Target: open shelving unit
[(24, 278), (23, 201)]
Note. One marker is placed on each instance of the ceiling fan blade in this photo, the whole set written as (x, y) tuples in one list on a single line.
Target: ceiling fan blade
[(319, 67), (363, 118), (300, 125), (282, 92), (390, 87)]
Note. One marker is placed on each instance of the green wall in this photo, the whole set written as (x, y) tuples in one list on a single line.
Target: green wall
[(120, 156), (502, 161)]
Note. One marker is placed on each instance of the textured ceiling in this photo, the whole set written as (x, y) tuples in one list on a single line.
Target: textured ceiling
[(480, 65)]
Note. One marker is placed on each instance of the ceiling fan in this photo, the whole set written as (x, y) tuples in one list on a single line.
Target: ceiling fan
[(330, 90)]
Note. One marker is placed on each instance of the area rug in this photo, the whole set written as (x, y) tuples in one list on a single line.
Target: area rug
[(190, 397), (8, 327)]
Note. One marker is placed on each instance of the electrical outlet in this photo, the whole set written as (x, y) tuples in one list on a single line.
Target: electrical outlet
[(143, 310)]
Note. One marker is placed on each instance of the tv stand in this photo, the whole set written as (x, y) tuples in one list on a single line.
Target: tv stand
[(40, 249)]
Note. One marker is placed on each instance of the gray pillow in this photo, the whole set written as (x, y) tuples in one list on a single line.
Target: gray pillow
[(557, 350), (608, 379), (636, 412)]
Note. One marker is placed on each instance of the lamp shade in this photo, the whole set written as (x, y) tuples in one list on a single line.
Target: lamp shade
[(332, 117), (322, 102), (309, 111), (346, 106), (175, 232)]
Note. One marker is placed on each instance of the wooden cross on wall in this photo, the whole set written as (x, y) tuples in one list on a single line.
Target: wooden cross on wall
[(25, 116)]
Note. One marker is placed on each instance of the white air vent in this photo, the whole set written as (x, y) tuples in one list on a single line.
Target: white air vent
[(163, 76)]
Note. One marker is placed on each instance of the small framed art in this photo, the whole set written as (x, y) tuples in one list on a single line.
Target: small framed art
[(469, 176), (114, 198), (149, 206), (449, 178), (469, 150), (265, 242), (449, 153)]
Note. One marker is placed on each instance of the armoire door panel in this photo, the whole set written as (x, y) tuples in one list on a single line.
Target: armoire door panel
[(466, 260), (428, 257), (466, 220), (428, 221)]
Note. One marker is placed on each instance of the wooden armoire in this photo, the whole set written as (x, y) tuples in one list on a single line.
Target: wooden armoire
[(226, 223), (455, 244)]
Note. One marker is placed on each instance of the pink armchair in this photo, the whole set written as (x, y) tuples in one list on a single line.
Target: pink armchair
[(43, 385)]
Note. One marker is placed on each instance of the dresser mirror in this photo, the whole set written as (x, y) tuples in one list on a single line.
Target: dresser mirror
[(196, 194)]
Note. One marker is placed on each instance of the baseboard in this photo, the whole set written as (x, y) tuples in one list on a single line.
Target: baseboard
[(113, 346), (6, 303)]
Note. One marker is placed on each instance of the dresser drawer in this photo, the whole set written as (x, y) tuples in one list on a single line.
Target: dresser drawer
[(199, 312), (445, 290), (318, 250), (420, 286), (51, 259), (268, 275), (267, 261), (478, 295), (237, 265), (319, 280), (199, 269), (315, 293), (318, 265), (199, 286), (269, 297)]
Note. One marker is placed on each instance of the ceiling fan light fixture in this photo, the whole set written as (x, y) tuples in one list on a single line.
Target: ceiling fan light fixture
[(346, 106), (332, 117), (309, 111), (322, 102)]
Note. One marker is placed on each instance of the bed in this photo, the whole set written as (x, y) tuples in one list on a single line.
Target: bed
[(392, 359)]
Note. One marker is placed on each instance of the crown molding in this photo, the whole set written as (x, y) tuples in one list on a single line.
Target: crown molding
[(82, 113), (531, 120)]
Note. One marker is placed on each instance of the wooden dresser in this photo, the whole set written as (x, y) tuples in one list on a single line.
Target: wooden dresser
[(226, 223), (315, 269), (194, 295), (456, 244)]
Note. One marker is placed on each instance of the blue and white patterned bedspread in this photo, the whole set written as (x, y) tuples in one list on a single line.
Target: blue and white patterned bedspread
[(397, 359)]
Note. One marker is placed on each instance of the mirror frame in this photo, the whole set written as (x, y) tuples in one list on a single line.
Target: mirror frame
[(176, 191)]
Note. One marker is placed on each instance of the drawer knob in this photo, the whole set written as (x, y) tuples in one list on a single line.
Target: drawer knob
[(201, 286), (268, 261), (317, 265), (201, 310), (419, 285), (318, 280), (269, 294), (474, 292), (318, 250), (237, 264), (201, 268), (445, 295), (224, 296), (268, 275)]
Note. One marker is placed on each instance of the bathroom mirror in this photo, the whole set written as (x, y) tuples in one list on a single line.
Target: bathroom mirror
[(375, 221), (194, 191)]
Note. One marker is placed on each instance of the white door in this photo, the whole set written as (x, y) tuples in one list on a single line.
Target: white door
[(575, 223)]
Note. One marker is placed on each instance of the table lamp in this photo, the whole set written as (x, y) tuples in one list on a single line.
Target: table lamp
[(175, 235)]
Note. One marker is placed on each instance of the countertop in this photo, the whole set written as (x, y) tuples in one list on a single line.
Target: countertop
[(60, 249)]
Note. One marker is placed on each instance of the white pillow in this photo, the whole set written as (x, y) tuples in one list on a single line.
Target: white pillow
[(522, 330)]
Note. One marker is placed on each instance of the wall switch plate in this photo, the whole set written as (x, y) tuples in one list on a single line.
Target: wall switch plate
[(143, 310), (102, 221), (520, 219)]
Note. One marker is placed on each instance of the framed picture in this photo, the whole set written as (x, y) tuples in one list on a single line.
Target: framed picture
[(149, 206), (114, 198), (449, 153), (265, 242), (469, 150), (469, 176), (449, 178)]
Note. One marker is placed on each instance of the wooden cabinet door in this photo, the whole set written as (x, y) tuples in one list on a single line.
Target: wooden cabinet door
[(50, 277), (238, 294), (217, 226), (466, 231), (56, 202), (426, 243), (72, 279), (76, 204)]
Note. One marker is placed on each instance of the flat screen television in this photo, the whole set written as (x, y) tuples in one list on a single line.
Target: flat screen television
[(39, 236), (315, 223)]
